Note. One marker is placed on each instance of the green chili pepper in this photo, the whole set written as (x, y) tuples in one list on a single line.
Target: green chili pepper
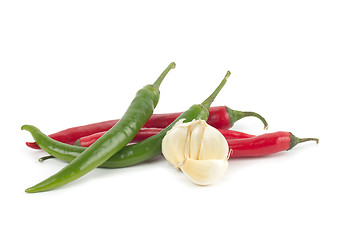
[(132, 154), (139, 111)]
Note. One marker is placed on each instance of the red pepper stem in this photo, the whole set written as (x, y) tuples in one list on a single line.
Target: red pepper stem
[(237, 115), (211, 98), (163, 75), (308, 139), (295, 140)]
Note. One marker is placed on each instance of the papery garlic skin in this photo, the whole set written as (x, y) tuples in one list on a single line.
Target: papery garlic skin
[(198, 149)]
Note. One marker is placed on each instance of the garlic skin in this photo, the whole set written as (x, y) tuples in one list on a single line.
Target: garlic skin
[(199, 150)]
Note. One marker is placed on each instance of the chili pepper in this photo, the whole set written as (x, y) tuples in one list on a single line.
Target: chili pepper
[(243, 146), (139, 111), (220, 117), (131, 154), (265, 144), (145, 133)]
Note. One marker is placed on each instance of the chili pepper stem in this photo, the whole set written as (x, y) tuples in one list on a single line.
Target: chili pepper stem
[(295, 140), (237, 115), (211, 98), (163, 74), (45, 158), (309, 139)]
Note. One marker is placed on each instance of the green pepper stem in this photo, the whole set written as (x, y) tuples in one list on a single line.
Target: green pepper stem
[(45, 158), (309, 139), (211, 98), (295, 140), (237, 115), (163, 74)]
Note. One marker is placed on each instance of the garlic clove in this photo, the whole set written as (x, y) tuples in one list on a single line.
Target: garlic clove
[(204, 172), (196, 132), (173, 145), (214, 145), (198, 149)]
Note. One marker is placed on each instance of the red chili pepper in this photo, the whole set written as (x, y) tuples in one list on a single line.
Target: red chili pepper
[(221, 117), (265, 144), (145, 133), (240, 144)]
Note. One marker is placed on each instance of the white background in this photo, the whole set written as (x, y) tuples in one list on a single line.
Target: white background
[(68, 63)]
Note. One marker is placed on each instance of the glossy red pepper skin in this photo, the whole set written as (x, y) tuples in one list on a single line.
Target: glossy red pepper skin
[(220, 117), (264, 144), (240, 144), (145, 133)]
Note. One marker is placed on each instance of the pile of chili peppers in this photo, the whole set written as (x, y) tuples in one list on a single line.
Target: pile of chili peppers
[(137, 136)]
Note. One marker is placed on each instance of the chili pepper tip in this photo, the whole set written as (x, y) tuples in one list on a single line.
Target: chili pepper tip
[(77, 143), (30, 190)]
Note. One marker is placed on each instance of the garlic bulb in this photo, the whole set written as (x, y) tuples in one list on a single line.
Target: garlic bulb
[(198, 149)]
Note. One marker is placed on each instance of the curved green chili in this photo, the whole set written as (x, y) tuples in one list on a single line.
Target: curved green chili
[(132, 154), (139, 111)]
